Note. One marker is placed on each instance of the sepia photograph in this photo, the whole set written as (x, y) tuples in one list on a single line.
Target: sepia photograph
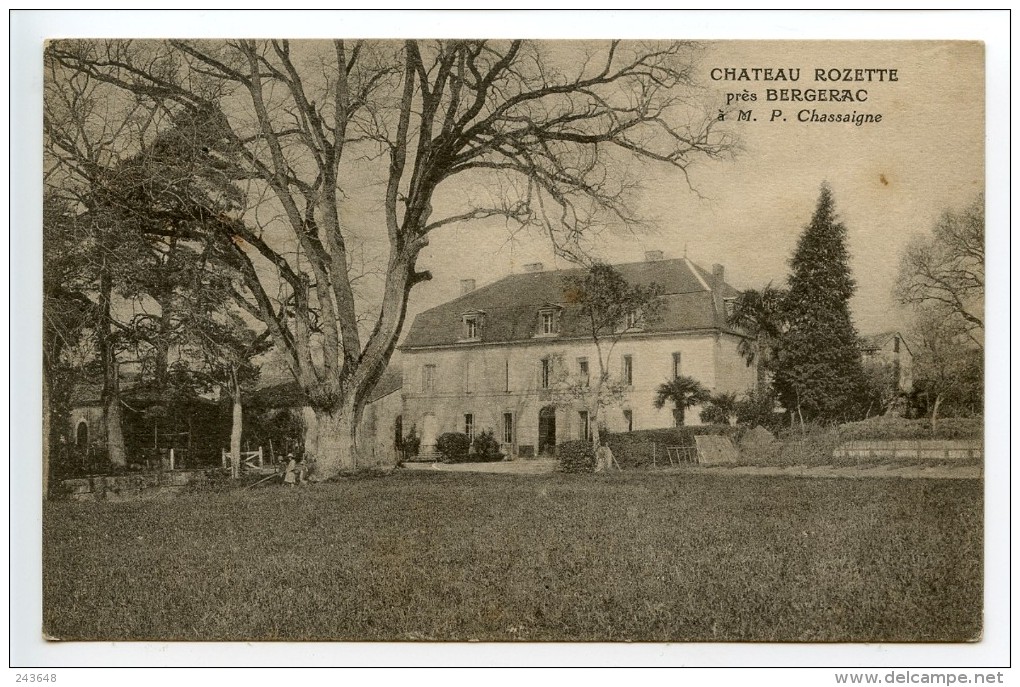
[(446, 340)]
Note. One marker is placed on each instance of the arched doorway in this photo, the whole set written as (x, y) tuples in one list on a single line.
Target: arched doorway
[(547, 430), (81, 435)]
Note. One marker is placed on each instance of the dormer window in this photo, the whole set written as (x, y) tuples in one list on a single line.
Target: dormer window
[(549, 321), (731, 306), (632, 319), (472, 325)]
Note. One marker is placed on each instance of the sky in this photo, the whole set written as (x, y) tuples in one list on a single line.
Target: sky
[(890, 179)]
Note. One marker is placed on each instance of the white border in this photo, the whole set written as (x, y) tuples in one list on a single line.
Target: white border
[(28, 29)]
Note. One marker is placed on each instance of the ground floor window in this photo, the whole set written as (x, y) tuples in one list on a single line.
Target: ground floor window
[(508, 428), (469, 425), (584, 426)]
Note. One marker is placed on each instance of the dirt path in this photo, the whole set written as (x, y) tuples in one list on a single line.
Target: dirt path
[(538, 467)]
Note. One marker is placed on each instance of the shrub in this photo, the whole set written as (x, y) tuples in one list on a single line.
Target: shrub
[(410, 445), (485, 448), (453, 447), (577, 456)]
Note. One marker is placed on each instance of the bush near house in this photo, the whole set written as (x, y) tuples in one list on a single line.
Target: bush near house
[(485, 448), (454, 447), (577, 456)]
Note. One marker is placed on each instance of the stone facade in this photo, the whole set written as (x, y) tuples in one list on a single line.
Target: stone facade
[(498, 367)]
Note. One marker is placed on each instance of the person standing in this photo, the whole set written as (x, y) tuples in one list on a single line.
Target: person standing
[(290, 473)]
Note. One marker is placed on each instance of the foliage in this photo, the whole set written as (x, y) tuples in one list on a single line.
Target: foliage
[(638, 557), (890, 428), (881, 385), (260, 134), (576, 456), (454, 447), (946, 271), (683, 392), (758, 408), (948, 367), (283, 429), (610, 308), (819, 374), (485, 447), (410, 443), (721, 409), (761, 316)]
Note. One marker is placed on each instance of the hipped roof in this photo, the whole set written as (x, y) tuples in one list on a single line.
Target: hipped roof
[(512, 304)]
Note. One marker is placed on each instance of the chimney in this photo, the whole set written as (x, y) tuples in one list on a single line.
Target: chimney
[(653, 255), (466, 286), (533, 267), (717, 294)]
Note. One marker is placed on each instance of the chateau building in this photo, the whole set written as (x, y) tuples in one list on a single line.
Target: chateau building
[(495, 358)]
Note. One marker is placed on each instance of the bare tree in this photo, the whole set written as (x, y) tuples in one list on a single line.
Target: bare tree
[(609, 309), (303, 127), (947, 269)]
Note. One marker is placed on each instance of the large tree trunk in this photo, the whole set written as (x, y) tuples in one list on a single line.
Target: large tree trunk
[(337, 442)]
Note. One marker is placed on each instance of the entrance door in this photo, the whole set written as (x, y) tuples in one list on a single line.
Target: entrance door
[(547, 430)]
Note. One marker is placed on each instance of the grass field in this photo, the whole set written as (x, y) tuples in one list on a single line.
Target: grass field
[(456, 556)]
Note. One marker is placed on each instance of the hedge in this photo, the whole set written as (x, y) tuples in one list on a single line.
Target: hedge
[(887, 428), (576, 456)]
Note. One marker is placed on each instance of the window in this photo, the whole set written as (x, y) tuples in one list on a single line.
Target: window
[(676, 366), (584, 427), (632, 319), (508, 428), (469, 425), (628, 419), (428, 378), (545, 373), (628, 370), (548, 322), (582, 370), (471, 327)]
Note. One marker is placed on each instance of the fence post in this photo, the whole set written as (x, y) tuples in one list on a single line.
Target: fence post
[(260, 456), (171, 459)]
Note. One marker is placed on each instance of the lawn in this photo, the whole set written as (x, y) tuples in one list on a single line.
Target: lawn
[(460, 556)]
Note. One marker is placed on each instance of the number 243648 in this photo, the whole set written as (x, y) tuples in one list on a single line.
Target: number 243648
[(36, 677)]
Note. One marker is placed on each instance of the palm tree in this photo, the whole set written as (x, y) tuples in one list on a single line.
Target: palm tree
[(760, 315), (683, 392)]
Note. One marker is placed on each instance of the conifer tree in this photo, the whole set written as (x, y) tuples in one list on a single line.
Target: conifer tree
[(820, 375)]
